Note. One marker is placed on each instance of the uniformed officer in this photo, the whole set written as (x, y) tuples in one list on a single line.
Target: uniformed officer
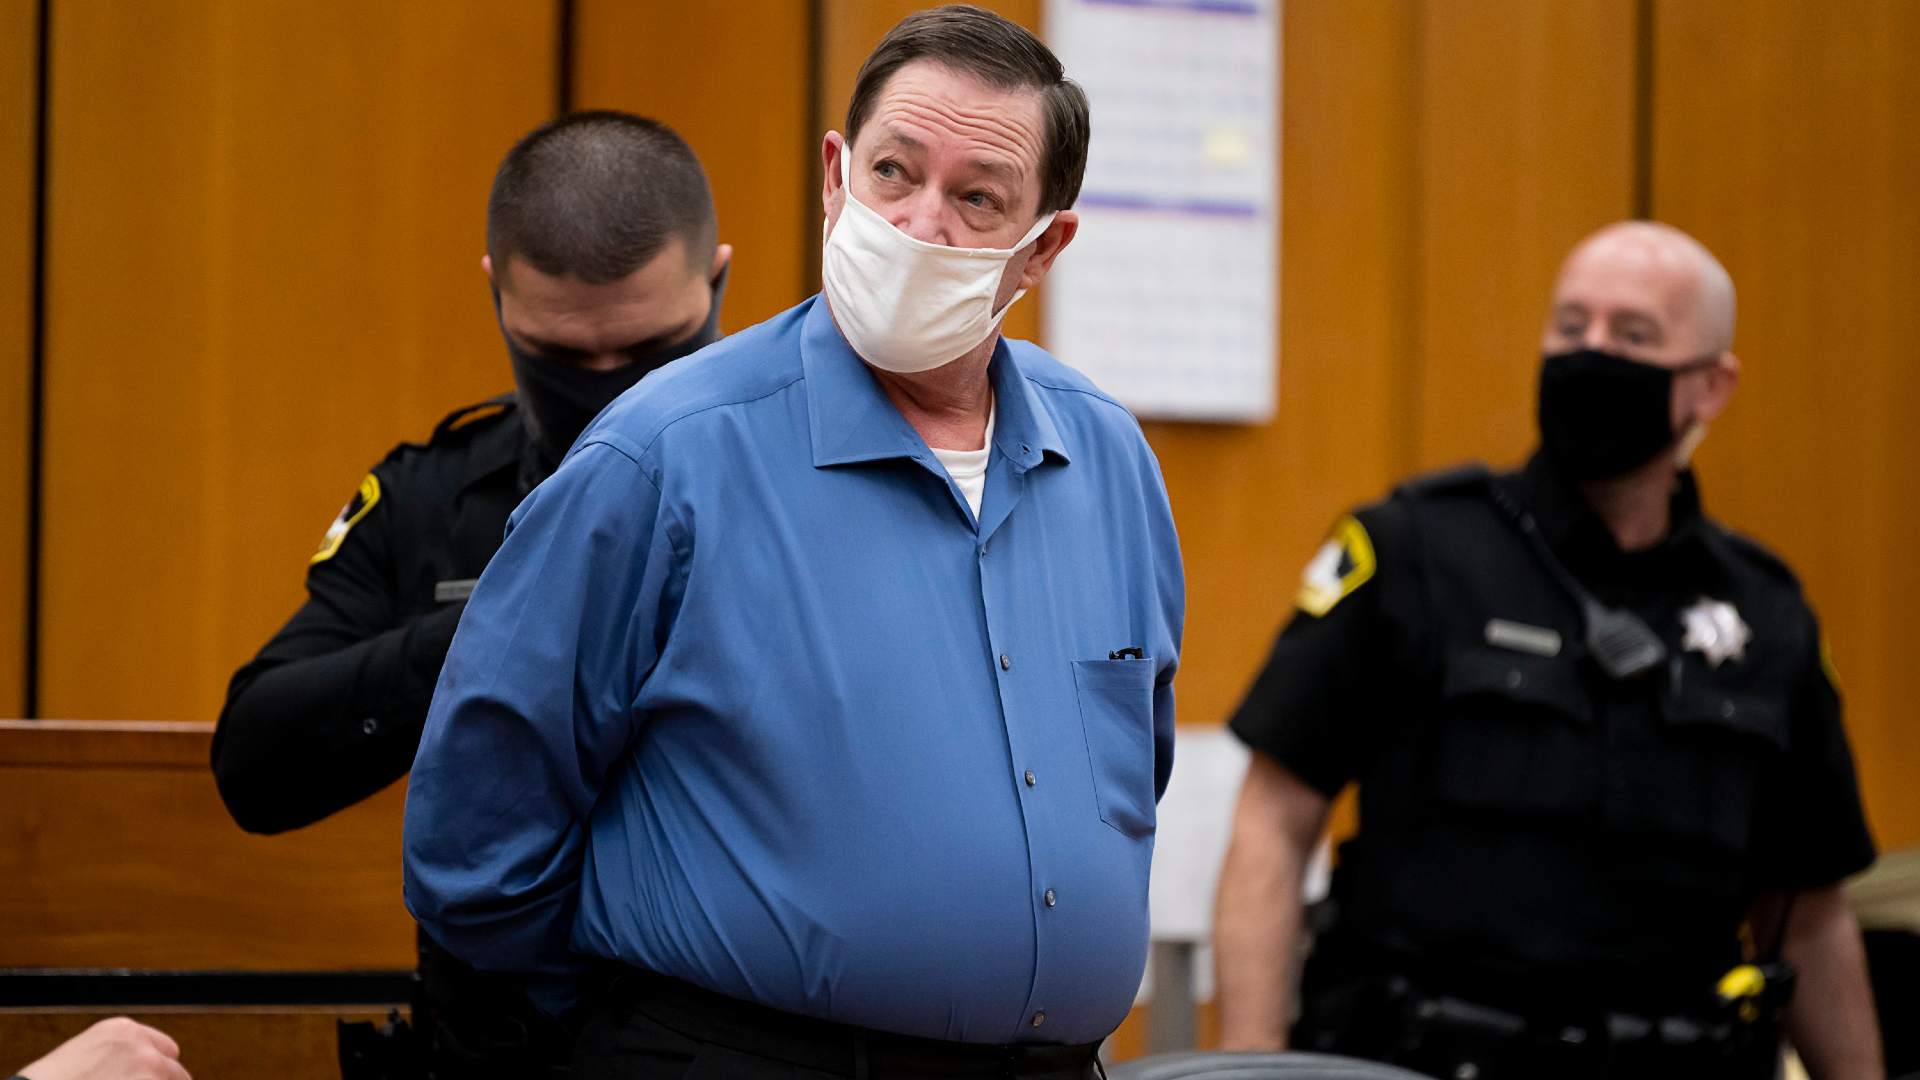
[(1594, 735), (604, 261)]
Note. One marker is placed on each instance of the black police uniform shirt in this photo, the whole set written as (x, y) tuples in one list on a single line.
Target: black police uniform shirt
[(1527, 823), (331, 709)]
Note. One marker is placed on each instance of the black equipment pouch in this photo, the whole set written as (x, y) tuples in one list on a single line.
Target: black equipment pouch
[(388, 1051)]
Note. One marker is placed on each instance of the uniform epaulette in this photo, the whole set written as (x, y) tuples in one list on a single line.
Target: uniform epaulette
[(1757, 551), (1459, 478), (463, 418)]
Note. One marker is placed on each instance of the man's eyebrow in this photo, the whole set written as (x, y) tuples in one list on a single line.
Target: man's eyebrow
[(1638, 319), (891, 136), (995, 168), (661, 338), (541, 345)]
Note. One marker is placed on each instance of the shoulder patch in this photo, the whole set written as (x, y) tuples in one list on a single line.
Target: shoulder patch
[(363, 500), (1343, 564)]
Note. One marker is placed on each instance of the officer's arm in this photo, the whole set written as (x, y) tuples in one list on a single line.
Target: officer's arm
[(1831, 1019), (1257, 909), (1810, 836), (533, 711), (330, 710), (1314, 717)]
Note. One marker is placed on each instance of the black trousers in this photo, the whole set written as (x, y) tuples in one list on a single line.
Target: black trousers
[(650, 1027), (475, 1026)]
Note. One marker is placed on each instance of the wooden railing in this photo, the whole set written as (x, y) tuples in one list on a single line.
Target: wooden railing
[(115, 851)]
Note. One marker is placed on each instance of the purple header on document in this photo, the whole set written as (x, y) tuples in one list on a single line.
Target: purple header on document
[(1198, 7), (1202, 207)]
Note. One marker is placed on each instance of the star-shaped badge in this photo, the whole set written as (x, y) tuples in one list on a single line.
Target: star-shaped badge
[(1715, 631)]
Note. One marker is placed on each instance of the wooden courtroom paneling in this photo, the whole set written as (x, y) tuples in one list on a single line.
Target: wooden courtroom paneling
[(19, 64), (1785, 139), (117, 853), (1526, 145), (266, 224), (731, 79), (215, 1044)]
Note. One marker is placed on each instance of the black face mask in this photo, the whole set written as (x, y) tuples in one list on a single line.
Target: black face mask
[(1602, 415), (559, 399)]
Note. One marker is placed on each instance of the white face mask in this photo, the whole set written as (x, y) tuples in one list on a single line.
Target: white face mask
[(906, 305)]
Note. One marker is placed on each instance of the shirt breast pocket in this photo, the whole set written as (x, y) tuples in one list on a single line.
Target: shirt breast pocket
[(1700, 781), (1517, 733), (1116, 715)]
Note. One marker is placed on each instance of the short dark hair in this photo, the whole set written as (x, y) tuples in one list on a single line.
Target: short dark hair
[(976, 42), (596, 195)]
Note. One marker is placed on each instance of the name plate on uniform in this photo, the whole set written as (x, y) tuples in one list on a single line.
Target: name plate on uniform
[(1520, 637), (446, 592)]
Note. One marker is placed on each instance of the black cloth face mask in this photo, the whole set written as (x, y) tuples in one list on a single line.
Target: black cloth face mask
[(559, 399), (1602, 415)]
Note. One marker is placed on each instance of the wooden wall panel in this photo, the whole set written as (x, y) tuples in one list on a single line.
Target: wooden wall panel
[(732, 80), (19, 64), (266, 223), (117, 852), (222, 1044), (1784, 138), (1526, 145)]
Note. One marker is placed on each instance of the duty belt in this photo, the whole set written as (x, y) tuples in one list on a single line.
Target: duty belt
[(1389, 1019)]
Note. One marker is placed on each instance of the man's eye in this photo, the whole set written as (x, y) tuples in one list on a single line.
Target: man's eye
[(980, 199), (885, 170)]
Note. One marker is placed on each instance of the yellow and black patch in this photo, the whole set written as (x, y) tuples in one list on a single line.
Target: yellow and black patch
[(350, 515), (1343, 564)]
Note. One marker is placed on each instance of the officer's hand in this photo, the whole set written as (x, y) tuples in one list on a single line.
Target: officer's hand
[(116, 1049)]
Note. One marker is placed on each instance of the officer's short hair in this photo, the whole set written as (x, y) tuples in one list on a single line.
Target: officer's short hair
[(596, 195), (976, 42)]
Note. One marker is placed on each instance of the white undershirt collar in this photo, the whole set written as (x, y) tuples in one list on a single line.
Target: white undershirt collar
[(968, 468)]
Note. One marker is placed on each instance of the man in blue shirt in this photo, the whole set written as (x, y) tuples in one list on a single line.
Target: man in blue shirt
[(824, 693)]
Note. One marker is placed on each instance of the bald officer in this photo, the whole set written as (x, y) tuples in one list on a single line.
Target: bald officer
[(1593, 735)]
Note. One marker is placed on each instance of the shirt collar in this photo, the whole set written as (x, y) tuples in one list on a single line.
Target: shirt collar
[(850, 419), (500, 446)]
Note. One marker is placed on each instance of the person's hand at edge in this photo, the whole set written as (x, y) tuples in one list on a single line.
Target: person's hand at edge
[(116, 1049)]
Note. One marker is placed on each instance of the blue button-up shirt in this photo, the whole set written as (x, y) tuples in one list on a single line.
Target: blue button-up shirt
[(748, 697)]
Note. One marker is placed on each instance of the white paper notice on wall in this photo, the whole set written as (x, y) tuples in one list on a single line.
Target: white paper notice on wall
[(1167, 298)]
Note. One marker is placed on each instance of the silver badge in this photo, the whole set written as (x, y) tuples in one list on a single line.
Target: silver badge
[(1715, 631)]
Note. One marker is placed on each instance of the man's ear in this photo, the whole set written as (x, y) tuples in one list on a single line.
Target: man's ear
[(486, 264), (722, 255), (831, 148), (1722, 379), (1048, 246)]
